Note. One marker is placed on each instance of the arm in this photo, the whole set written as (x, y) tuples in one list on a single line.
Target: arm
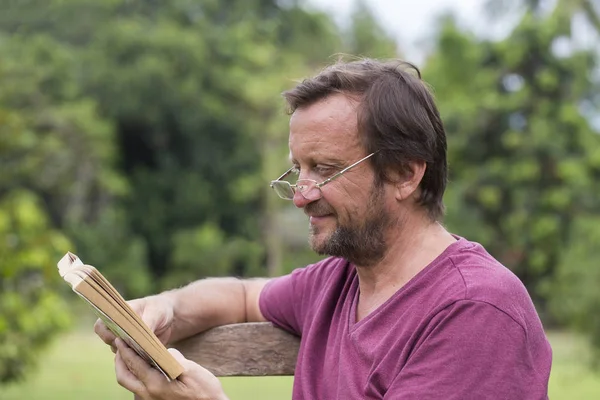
[(473, 350), (175, 315), (207, 303), (204, 304)]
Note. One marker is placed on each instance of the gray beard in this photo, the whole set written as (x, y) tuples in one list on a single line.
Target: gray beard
[(362, 244)]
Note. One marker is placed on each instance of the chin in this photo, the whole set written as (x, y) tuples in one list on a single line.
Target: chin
[(318, 241)]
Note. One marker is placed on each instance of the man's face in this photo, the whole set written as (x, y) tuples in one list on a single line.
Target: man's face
[(351, 217)]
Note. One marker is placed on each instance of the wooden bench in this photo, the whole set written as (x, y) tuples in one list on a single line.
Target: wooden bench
[(251, 349)]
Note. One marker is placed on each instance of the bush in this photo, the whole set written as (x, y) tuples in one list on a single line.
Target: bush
[(31, 310)]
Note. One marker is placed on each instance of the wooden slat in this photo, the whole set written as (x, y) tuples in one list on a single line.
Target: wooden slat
[(251, 349)]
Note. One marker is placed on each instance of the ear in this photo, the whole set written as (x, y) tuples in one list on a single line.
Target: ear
[(408, 184)]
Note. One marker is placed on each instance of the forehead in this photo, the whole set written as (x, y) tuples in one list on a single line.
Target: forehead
[(327, 126)]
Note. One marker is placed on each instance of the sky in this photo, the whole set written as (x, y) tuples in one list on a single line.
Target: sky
[(409, 21)]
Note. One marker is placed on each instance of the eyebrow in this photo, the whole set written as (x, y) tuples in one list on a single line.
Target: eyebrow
[(334, 161)]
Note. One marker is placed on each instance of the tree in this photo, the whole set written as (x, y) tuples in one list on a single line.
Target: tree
[(142, 135), (565, 11), (55, 157), (524, 158), (183, 85), (366, 37), (31, 311)]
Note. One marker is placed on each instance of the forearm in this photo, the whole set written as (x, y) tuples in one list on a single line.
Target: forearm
[(212, 302)]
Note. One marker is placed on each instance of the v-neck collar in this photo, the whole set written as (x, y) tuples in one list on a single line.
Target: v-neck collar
[(353, 325)]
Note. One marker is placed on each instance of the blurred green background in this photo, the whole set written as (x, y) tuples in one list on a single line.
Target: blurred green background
[(141, 135)]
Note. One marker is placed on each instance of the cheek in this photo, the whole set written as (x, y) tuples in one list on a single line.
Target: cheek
[(347, 207), (350, 199)]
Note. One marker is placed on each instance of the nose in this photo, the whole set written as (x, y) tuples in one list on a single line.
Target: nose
[(299, 200)]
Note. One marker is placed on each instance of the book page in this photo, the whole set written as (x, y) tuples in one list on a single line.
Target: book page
[(117, 315), (135, 327), (116, 329)]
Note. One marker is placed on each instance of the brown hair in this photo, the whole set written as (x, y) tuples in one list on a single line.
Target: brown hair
[(397, 116)]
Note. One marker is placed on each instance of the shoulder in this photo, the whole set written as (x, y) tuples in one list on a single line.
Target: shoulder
[(485, 280), (313, 279), (471, 338), (291, 300)]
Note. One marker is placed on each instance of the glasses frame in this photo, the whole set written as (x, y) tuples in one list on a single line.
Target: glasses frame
[(293, 187)]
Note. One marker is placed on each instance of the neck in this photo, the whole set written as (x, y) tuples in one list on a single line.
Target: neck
[(413, 244)]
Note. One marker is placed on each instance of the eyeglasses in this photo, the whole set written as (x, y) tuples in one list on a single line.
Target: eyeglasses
[(310, 189)]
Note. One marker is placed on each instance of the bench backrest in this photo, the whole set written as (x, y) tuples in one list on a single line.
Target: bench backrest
[(251, 349)]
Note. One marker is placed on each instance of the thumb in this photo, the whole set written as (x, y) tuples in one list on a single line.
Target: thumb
[(204, 383), (185, 363), (188, 365), (178, 356), (153, 320), (139, 306)]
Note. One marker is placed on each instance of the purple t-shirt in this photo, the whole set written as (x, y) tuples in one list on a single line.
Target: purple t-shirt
[(463, 328)]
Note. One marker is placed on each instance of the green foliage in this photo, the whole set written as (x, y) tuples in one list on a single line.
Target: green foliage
[(366, 37), (575, 292), (53, 155), (524, 156), (207, 251), (145, 132), (32, 312), (184, 95), (521, 152), (174, 97), (109, 245)]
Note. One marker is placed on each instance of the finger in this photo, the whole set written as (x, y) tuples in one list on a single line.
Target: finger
[(189, 367), (185, 363), (139, 307), (154, 319), (202, 382), (157, 315), (126, 378), (178, 356), (135, 364), (136, 304), (103, 332)]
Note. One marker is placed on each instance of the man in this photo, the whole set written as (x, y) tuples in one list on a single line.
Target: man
[(402, 309)]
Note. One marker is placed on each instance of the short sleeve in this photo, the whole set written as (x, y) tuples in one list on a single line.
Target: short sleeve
[(277, 301), (291, 301), (473, 350)]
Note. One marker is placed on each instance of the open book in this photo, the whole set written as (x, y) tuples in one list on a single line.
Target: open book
[(118, 316)]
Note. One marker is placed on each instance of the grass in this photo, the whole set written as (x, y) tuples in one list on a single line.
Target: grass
[(571, 378), (80, 366)]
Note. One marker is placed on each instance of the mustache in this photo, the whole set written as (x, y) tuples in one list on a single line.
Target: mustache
[(318, 208)]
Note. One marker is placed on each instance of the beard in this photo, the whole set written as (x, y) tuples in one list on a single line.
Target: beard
[(360, 242)]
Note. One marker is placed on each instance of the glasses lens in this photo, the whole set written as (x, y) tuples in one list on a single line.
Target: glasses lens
[(309, 189), (283, 189)]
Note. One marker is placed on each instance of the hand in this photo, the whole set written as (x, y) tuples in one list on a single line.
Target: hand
[(155, 311), (137, 376)]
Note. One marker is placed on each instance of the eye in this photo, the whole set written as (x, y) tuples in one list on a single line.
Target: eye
[(324, 170)]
